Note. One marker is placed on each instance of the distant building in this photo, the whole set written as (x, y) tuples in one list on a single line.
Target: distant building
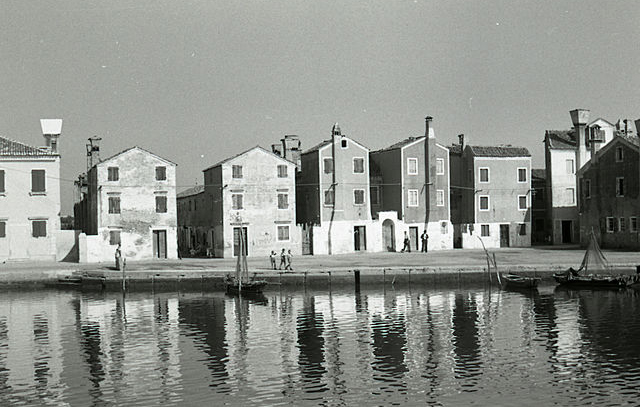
[(539, 219), (609, 194), (195, 230), (253, 195), (333, 197), (129, 198), (399, 184), (30, 197), (490, 195)]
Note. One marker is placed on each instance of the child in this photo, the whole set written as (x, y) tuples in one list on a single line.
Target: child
[(283, 259), (288, 258), (272, 257)]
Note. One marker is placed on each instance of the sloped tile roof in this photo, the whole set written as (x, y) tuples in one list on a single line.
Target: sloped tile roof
[(631, 139), (12, 148), (135, 148), (402, 143), (561, 139), (317, 146), (191, 191), (538, 173), (499, 151)]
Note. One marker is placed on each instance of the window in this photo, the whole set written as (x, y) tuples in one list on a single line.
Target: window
[(329, 197), (283, 233), (622, 225), (343, 143), (328, 165), (412, 166), (283, 201), (633, 224), (39, 228), (358, 165), (484, 175), (113, 174), (570, 195), (37, 181), (619, 186), (375, 195), (236, 171), (358, 196), (161, 173), (282, 171), (522, 229), (484, 230), (569, 166), (484, 202), (2, 190), (114, 237), (3, 228), (611, 225), (522, 175), (522, 202), (161, 204), (114, 204), (412, 198), (440, 166), (619, 154), (440, 197), (587, 188), (236, 200)]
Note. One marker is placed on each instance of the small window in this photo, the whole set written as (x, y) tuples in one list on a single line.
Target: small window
[(570, 195), (412, 166), (190, 205), (113, 174), (587, 188), (484, 175), (484, 230), (358, 165), (161, 173), (633, 224), (39, 228), (412, 197), (236, 200), (619, 154), (282, 171), (375, 195), (236, 171), (2, 190), (611, 225), (114, 237), (484, 202), (37, 181), (328, 165), (283, 201), (358, 196), (343, 143), (283, 233), (522, 229), (329, 197), (161, 204), (114, 204), (3, 229), (569, 166), (620, 186), (622, 224), (440, 197), (522, 175), (522, 202), (440, 166)]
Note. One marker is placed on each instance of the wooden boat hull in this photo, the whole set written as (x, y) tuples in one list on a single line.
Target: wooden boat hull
[(249, 287), (516, 281), (590, 280)]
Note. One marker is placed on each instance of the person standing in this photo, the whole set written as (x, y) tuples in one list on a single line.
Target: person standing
[(118, 256), (289, 257), (272, 257), (283, 259), (425, 241), (407, 243)]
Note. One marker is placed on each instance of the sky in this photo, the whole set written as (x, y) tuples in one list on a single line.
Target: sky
[(196, 81)]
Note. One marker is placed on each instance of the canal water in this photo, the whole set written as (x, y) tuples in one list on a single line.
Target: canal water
[(460, 345)]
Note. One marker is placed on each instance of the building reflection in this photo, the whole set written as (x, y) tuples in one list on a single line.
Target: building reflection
[(389, 343), (310, 328), (466, 344)]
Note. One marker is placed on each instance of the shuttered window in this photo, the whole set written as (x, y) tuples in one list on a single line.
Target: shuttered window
[(1, 181), (283, 201), (3, 228), (161, 173), (161, 204), (37, 181), (114, 204), (39, 228)]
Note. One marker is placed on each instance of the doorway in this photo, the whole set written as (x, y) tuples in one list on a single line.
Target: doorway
[(504, 235), (567, 226), (160, 244), (413, 235), (389, 235), (237, 232), (360, 238)]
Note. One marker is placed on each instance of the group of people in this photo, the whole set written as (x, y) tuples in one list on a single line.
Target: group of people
[(407, 242), (285, 260)]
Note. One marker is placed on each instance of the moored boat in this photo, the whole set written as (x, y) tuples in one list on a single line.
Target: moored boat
[(511, 280), (241, 283)]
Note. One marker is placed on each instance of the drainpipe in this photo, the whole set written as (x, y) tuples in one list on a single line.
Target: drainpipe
[(427, 194)]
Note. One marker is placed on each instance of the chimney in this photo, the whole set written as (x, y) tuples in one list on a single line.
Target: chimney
[(427, 125), (429, 160), (580, 118), (93, 151), (461, 141), (51, 130)]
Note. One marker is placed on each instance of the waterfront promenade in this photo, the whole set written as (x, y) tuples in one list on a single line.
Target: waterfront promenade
[(542, 260)]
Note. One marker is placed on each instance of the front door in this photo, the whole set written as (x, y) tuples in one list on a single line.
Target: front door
[(236, 241), (413, 235), (504, 235), (389, 235), (160, 244), (360, 238), (567, 225)]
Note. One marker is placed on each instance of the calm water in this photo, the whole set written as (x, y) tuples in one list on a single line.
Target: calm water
[(443, 346)]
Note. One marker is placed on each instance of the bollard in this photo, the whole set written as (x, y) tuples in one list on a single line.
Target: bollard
[(305, 278), (329, 280), (384, 276), (356, 277)]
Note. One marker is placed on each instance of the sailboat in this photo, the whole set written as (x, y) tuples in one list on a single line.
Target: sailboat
[(509, 280), (594, 272), (241, 282)]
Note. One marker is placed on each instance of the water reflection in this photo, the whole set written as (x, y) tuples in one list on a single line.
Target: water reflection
[(424, 346)]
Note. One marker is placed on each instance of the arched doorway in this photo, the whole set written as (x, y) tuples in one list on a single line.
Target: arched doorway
[(389, 235)]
